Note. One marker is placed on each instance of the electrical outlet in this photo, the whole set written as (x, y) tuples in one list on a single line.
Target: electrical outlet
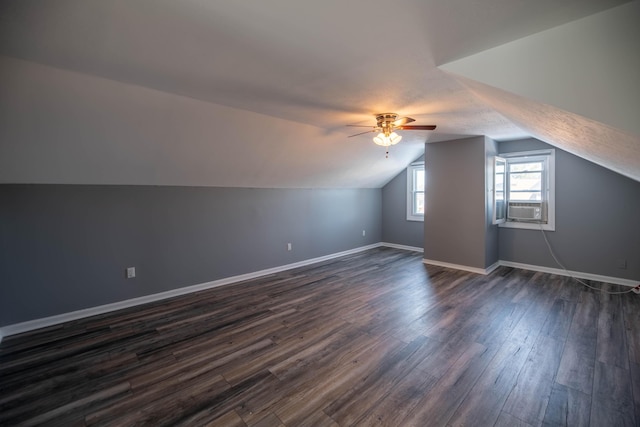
[(131, 272), (363, 233), (289, 247)]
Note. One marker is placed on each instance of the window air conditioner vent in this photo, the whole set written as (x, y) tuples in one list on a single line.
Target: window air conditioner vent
[(527, 212)]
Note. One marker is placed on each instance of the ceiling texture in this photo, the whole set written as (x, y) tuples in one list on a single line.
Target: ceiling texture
[(259, 93)]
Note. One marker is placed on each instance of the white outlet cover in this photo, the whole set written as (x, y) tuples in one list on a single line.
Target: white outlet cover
[(131, 272)]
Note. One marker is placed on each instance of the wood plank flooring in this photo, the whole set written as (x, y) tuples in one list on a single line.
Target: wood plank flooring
[(375, 338)]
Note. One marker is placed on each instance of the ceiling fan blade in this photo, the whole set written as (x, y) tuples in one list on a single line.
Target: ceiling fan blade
[(362, 133), (361, 126), (417, 127), (403, 121)]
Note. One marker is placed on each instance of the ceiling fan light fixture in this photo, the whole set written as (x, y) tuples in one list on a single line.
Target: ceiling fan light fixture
[(381, 140), (387, 141), (386, 123)]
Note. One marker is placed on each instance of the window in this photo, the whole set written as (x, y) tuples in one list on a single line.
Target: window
[(415, 192), (523, 190)]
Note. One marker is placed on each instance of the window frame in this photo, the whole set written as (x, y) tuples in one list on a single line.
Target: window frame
[(547, 192), (497, 210), (411, 191)]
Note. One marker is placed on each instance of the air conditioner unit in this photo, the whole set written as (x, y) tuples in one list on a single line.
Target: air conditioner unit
[(527, 211)]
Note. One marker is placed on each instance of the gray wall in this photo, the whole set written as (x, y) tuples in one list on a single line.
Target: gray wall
[(66, 247), (597, 223), (395, 227), (455, 225)]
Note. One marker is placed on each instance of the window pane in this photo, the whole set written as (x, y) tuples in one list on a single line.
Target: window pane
[(418, 204), (415, 192), (523, 167), (531, 181), (419, 177), (524, 196), (500, 209)]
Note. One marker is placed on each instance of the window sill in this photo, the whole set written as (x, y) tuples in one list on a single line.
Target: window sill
[(528, 226), (415, 218)]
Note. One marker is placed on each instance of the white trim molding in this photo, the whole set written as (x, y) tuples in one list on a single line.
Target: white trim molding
[(540, 268), (403, 247), (477, 270), (31, 325), (568, 273), (411, 185)]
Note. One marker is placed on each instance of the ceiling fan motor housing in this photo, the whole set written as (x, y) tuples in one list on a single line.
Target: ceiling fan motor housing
[(385, 122)]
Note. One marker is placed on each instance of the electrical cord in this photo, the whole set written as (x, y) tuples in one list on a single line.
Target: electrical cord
[(575, 278)]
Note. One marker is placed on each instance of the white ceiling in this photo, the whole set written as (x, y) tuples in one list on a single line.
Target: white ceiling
[(258, 94)]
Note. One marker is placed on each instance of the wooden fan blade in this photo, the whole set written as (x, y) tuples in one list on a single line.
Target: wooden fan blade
[(403, 121), (362, 133), (417, 127)]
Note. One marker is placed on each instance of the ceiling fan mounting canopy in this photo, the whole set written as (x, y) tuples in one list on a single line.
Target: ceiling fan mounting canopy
[(386, 122)]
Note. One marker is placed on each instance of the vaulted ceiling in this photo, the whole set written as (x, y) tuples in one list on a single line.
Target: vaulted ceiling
[(258, 94)]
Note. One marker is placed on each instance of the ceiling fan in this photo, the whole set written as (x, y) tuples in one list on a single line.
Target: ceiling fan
[(386, 125)]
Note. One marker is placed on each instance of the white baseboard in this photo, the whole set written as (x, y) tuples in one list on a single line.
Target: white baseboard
[(404, 247), (577, 274), (540, 268), (31, 325), (461, 267), (492, 267)]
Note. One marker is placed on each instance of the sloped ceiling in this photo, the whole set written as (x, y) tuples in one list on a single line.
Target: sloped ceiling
[(258, 94), (587, 67)]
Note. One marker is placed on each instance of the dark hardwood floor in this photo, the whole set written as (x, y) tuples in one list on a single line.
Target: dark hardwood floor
[(375, 338)]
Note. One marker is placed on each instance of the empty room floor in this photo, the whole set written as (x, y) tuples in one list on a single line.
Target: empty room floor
[(374, 338)]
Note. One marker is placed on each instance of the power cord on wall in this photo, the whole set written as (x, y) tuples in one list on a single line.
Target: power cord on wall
[(635, 290)]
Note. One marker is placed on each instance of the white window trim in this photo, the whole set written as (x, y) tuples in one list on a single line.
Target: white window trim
[(494, 190), (550, 190), (410, 173)]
